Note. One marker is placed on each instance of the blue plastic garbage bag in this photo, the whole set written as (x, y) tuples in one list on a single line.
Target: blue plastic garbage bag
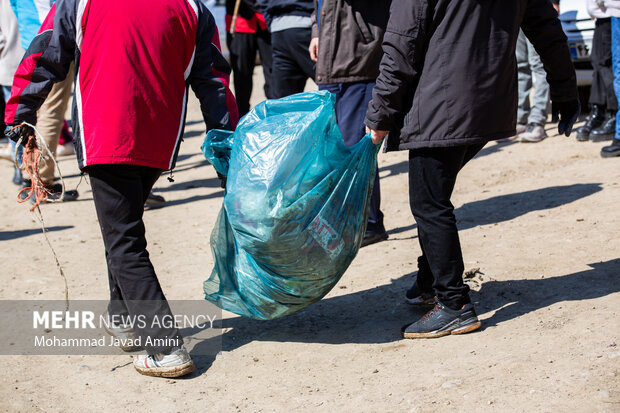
[(295, 207)]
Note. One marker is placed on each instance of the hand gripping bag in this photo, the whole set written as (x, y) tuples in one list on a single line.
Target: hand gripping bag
[(295, 207)]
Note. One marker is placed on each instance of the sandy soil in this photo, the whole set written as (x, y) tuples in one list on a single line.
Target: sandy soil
[(539, 221)]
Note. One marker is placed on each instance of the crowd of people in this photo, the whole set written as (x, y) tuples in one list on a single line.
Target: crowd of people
[(435, 78)]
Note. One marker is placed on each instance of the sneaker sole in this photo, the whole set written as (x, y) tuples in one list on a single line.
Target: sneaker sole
[(176, 371), (610, 155), (531, 140), (601, 138), (434, 334)]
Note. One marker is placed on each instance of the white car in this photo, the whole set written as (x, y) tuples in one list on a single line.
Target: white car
[(579, 28)]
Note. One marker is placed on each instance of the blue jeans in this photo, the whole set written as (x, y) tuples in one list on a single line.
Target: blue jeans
[(351, 104), (6, 92), (615, 62)]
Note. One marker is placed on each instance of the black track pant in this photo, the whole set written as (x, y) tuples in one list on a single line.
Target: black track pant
[(119, 192), (292, 65), (243, 47), (432, 175)]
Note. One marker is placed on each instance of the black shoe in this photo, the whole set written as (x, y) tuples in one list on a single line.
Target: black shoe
[(154, 201), (372, 237), (421, 296), (606, 131), (55, 191), (442, 321), (595, 120), (611, 150)]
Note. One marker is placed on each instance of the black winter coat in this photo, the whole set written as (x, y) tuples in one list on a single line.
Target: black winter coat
[(448, 75)]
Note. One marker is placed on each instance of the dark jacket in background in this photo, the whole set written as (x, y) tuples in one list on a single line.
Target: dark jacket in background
[(275, 8), (350, 33), (247, 8), (448, 74)]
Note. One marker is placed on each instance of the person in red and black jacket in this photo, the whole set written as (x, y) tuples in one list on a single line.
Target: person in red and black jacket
[(250, 35), (134, 62)]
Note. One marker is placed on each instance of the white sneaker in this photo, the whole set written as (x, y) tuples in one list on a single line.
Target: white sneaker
[(65, 150), (176, 364), (534, 133)]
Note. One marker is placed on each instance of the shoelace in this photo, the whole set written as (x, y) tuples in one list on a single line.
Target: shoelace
[(430, 313)]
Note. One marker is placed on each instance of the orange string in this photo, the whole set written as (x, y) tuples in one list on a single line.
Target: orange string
[(30, 162)]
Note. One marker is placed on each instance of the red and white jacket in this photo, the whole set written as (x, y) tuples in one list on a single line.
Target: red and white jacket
[(134, 63)]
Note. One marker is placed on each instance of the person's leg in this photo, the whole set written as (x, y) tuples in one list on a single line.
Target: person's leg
[(540, 97), (299, 48), (613, 150), (351, 105), (287, 76), (50, 121), (242, 47), (601, 91), (602, 79), (119, 193), (266, 58), (524, 76), (432, 175)]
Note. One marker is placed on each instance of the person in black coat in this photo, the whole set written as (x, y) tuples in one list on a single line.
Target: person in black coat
[(447, 86)]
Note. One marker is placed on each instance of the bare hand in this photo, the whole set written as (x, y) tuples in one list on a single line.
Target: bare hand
[(376, 135), (314, 48)]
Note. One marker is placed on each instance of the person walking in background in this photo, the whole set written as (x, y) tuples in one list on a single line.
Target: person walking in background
[(290, 25), (133, 70), (447, 85), (600, 124), (602, 9), (250, 35), (347, 64), (531, 117)]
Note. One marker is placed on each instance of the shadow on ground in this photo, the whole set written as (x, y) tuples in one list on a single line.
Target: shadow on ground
[(11, 235), (375, 316), (506, 207)]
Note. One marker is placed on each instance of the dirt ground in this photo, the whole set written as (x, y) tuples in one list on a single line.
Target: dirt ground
[(539, 221)]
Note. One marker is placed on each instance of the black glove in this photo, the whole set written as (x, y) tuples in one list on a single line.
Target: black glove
[(14, 133), (567, 113)]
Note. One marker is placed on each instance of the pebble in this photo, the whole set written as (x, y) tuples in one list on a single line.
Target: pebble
[(603, 394)]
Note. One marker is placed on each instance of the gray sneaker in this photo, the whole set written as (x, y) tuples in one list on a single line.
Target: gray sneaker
[(533, 133), (176, 364)]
